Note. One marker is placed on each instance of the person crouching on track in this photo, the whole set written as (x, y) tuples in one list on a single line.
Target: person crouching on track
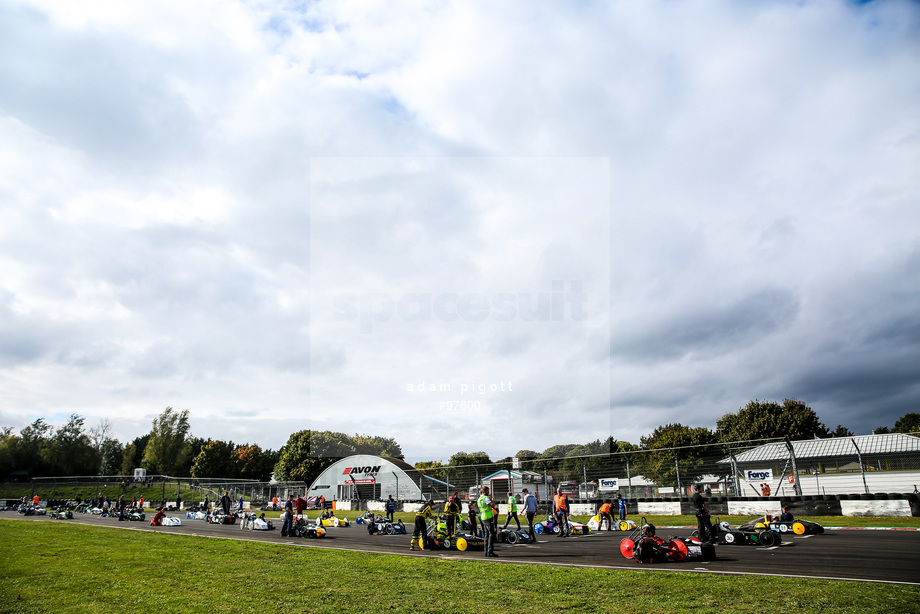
[(420, 535), (606, 513), (487, 520)]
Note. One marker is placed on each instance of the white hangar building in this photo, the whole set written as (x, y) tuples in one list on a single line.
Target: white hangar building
[(364, 476)]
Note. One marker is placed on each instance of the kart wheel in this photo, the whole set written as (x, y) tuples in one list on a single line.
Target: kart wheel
[(623, 525), (680, 550), (783, 528), (695, 534), (798, 528), (626, 548), (447, 544), (767, 538), (512, 538), (538, 528), (729, 538), (335, 522), (388, 530), (461, 544), (359, 520), (557, 529)]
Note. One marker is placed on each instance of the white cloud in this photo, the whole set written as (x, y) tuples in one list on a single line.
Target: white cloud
[(159, 200)]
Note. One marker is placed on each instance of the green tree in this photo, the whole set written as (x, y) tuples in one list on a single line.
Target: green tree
[(908, 423), (214, 461), (423, 465), (380, 446), (112, 455), (692, 448), (9, 442), (168, 447), (133, 454), (33, 449), (768, 419), (252, 463), (463, 468), (841, 431), (70, 451), (297, 462)]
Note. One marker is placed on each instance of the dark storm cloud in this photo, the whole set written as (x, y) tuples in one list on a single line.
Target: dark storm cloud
[(704, 329)]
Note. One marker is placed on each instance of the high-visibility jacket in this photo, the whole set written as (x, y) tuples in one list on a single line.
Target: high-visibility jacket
[(562, 503), (485, 507), (425, 513), (512, 505), (606, 508)]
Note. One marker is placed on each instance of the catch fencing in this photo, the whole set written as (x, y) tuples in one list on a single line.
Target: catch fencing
[(887, 463)]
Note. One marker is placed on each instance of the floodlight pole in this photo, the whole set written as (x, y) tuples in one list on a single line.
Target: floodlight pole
[(628, 475), (797, 487), (680, 493), (861, 470)]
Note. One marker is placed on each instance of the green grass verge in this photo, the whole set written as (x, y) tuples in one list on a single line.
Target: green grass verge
[(60, 567)]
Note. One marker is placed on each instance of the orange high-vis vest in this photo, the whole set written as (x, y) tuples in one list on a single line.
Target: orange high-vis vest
[(562, 503), (605, 508)]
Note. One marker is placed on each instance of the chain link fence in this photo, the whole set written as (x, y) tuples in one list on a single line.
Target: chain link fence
[(862, 465)]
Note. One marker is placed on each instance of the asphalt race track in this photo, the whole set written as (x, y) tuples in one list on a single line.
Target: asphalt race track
[(868, 555)]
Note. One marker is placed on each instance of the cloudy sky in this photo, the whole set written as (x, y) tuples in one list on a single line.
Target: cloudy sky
[(464, 225)]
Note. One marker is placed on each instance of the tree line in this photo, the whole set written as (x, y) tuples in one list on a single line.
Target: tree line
[(71, 449), (669, 455), (41, 450)]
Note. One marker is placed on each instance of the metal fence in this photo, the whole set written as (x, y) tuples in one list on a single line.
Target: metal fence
[(848, 465)]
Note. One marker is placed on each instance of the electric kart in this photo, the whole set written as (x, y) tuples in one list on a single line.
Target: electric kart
[(725, 534), (160, 519), (617, 525), (61, 514), (218, 517), (199, 515), (304, 528), (799, 527), (513, 536), (644, 546), (437, 535), (135, 514), (27, 509), (328, 519), (381, 524), (550, 526), (256, 523)]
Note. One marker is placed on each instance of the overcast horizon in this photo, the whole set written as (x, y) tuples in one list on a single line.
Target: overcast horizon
[(462, 225)]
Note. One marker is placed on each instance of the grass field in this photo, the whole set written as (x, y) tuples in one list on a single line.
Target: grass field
[(60, 567)]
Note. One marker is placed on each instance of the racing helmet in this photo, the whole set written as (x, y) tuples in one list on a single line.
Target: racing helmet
[(648, 529), (725, 526)]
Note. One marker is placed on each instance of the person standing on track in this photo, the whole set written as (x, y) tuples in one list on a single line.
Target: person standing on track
[(561, 511), (472, 511), (512, 511), (621, 501), (452, 510), (530, 510), (703, 525), (487, 520), (391, 508)]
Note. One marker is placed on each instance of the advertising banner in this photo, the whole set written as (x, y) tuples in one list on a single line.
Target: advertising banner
[(608, 484)]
